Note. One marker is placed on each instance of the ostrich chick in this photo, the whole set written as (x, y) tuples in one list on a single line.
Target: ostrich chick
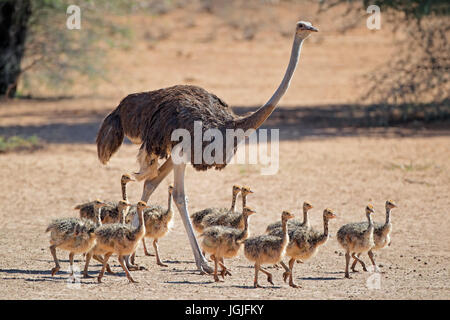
[(233, 220), (224, 242), (110, 213), (304, 244), (357, 238), (381, 234), (121, 239), (97, 250), (267, 249), (74, 235), (157, 224), (198, 216), (294, 223)]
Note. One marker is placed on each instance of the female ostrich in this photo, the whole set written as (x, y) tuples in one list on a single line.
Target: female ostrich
[(150, 118)]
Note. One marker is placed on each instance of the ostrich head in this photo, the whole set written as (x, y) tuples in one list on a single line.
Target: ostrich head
[(286, 215), (126, 178), (122, 204), (99, 204), (390, 204), (248, 211), (329, 214), (236, 189), (369, 209), (246, 190), (307, 206), (304, 29), (141, 205)]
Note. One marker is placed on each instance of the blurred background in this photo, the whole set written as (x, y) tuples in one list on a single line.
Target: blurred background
[(237, 49)]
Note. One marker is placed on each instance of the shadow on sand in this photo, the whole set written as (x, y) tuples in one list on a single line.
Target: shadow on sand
[(294, 123)]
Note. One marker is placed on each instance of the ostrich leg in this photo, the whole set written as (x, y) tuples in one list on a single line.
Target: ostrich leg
[(181, 203), (149, 187)]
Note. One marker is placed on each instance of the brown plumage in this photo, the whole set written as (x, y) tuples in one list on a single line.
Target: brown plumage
[(357, 238), (233, 220), (267, 249), (381, 235), (74, 235), (197, 217), (120, 239), (110, 213), (151, 117), (304, 243), (224, 242)]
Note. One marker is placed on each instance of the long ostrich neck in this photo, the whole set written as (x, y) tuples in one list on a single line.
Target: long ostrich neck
[(122, 214), (141, 227), (305, 217), (388, 216), (257, 118), (369, 218), (244, 200), (169, 203), (98, 211), (324, 236), (233, 202), (245, 231), (124, 191), (284, 228)]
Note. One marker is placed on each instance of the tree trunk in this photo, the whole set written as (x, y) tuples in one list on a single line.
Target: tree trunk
[(14, 15)]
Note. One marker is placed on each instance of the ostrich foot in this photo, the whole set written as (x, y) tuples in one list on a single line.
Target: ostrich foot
[(286, 275), (204, 268), (55, 270), (131, 280), (293, 285), (269, 279), (224, 273)]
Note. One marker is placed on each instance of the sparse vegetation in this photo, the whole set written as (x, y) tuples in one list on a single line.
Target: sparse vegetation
[(416, 77), (18, 143)]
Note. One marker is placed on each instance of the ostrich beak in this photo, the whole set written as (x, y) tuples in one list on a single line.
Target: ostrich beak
[(313, 29)]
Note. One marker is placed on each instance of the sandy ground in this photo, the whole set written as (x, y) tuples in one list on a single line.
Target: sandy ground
[(330, 165)]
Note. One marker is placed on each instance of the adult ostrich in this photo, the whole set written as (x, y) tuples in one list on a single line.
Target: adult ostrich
[(150, 118)]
